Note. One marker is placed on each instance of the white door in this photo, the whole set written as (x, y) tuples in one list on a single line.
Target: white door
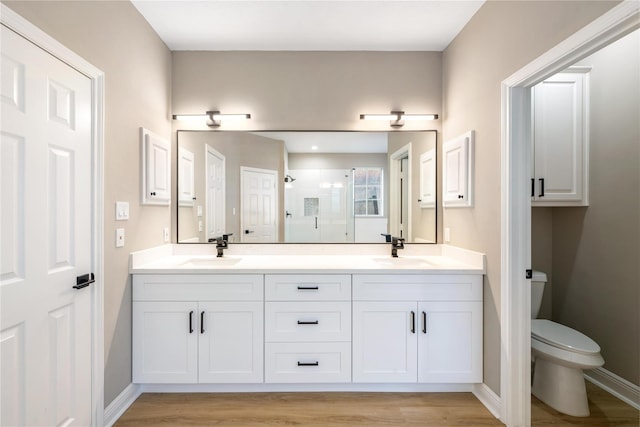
[(385, 345), (215, 202), (450, 343), (259, 220), (231, 342), (186, 184), (46, 238)]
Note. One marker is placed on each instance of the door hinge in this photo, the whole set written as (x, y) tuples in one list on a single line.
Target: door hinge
[(528, 273)]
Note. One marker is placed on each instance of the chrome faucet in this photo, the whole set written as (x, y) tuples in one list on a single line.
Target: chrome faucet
[(222, 243), (396, 243)]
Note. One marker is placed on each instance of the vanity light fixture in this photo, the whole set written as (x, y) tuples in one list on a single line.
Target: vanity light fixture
[(213, 118), (397, 118)]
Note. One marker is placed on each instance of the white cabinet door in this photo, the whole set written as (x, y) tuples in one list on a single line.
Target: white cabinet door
[(231, 342), (156, 169), (165, 342), (457, 173), (560, 140), (385, 342), (450, 343)]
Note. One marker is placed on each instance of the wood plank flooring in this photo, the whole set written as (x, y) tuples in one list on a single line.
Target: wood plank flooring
[(353, 409)]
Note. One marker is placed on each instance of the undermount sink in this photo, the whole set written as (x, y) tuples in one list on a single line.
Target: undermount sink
[(402, 261), (209, 261)]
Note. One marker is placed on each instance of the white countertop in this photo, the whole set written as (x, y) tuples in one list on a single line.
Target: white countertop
[(309, 259)]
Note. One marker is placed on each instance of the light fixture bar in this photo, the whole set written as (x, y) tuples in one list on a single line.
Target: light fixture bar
[(213, 118), (397, 118)]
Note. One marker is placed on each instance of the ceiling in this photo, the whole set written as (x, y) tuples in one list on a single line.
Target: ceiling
[(308, 25)]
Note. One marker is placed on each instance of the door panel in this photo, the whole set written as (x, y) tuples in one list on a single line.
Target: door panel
[(259, 206), (46, 237)]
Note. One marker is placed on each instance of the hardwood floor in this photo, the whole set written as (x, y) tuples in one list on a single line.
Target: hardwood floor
[(353, 409)]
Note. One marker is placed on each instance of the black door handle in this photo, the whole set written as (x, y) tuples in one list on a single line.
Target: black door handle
[(84, 280), (533, 187), (248, 231), (202, 322), (413, 322), (191, 322), (541, 187), (424, 322)]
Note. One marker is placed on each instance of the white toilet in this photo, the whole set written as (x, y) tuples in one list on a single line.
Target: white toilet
[(561, 354)]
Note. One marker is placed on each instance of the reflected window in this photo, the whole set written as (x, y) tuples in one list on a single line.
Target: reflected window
[(367, 191)]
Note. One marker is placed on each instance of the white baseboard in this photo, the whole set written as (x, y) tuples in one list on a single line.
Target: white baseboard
[(619, 387), (120, 404), (489, 399), (305, 387)]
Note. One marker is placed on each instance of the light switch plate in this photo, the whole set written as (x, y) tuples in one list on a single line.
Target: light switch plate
[(166, 234), (119, 237), (122, 211), (199, 210)]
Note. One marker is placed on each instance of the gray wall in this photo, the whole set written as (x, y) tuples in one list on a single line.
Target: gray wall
[(501, 38), (595, 250), (137, 65)]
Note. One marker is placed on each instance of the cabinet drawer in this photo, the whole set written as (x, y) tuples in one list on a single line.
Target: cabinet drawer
[(192, 287), (417, 287), (307, 362), (307, 321), (312, 287)]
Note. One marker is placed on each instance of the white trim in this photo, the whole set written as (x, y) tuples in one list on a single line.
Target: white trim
[(488, 398), (622, 389), (121, 403), (515, 204), (394, 198), (306, 387), (35, 35)]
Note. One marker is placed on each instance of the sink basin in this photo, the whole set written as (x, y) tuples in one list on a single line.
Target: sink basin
[(402, 261), (209, 261)]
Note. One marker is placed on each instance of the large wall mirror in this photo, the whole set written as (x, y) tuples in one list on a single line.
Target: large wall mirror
[(306, 187)]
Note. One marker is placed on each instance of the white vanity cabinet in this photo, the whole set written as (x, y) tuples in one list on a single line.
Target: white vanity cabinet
[(197, 328), (307, 328), (417, 328)]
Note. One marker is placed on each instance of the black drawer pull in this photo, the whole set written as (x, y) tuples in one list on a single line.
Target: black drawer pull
[(191, 322), (202, 322), (413, 322), (541, 187), (308, 288), (424, 322), (308, 363), (302, 322), (84, 281)]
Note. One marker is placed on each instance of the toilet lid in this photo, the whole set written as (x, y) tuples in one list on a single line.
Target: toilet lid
[(561, 336)]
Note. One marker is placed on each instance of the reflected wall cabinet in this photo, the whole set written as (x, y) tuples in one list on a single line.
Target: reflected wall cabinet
[(560, 139), (155, 169)]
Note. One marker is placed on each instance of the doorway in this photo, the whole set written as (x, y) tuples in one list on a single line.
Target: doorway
[(516, 204)]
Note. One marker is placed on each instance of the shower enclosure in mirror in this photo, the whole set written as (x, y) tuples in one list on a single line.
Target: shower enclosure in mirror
[(306, 187)]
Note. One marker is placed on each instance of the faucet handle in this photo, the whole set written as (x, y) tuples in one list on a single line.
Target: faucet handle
[(387, 237)]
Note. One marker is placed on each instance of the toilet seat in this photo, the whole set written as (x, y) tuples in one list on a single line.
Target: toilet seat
[(563, 337)]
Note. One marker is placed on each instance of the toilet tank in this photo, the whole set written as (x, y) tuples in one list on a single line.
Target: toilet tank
[(538, 280)]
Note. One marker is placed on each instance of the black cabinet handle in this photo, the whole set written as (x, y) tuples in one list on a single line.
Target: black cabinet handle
[(424, 322), (541, 187), (153, 193), (84, 280), (307, 288), (316, 223), (191, 322), (302, 322), (533, 187), (460, 196), (308, 363), (202, 322), (413, 322)]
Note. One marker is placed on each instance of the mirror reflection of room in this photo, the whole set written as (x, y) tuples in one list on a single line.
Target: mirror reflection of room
[(306, 187)]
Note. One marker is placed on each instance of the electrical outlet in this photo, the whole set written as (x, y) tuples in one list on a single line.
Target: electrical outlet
[(199, 209), (200, 227), (119, 237), (447, 234), (166, 234)]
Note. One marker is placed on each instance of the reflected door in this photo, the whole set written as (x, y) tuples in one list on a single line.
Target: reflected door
[(259, 204), (46, 238), (215, 185)]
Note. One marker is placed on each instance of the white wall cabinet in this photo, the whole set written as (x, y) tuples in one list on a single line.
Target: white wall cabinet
[(560, 139), (190, 329), (457, 171), (417, 328), (155, 169)]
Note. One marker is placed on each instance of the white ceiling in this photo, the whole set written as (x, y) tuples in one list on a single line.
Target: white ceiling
[(331, 142), (308, 25)]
